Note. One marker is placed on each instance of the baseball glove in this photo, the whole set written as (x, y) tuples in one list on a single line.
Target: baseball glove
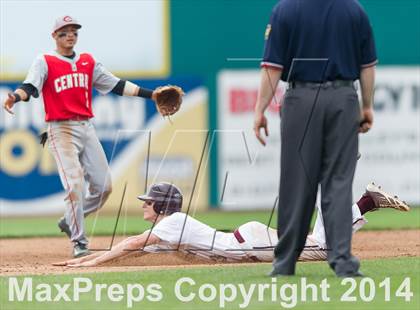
[(168, 99)]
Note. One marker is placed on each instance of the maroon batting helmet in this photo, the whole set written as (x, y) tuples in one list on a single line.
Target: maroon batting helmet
[(166, 196)]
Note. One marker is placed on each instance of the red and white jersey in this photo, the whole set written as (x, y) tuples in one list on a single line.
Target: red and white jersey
[(67, 83), (67, 91)]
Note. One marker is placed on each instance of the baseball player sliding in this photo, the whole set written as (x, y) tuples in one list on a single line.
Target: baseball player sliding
[(66, 78), (253, 241)]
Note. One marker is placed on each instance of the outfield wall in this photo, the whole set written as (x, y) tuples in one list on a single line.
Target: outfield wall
[(192, 44), (206, 33)]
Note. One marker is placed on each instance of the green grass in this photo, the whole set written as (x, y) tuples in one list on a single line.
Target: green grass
[(396, 269), (47, 226)]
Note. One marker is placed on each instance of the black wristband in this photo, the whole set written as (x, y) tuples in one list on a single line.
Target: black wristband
[(17, 97), (30, 91), (145, 93)]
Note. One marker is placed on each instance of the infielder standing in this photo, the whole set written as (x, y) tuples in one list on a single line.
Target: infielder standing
[(320, 47), (66, 78), (173, 230)]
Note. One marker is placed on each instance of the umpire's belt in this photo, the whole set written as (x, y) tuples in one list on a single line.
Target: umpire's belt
[(334, 84)]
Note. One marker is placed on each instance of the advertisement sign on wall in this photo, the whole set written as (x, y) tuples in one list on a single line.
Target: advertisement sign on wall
[(248, 172), (391, 150)]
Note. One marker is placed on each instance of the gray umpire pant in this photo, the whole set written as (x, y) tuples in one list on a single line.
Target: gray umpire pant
[(319, 136)]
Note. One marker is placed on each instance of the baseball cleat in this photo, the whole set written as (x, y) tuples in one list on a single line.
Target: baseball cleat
[(64, 227), (80, 250), (384, 200)]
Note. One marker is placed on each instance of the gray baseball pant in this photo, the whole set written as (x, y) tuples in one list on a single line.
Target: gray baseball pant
[(83, 170)]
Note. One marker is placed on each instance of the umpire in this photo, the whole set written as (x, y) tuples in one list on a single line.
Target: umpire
[(320, 47)]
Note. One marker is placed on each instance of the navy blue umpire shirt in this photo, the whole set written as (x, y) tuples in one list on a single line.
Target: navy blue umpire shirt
[(319, 40)]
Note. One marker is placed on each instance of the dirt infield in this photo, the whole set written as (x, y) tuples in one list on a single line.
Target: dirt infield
[(35, 255)]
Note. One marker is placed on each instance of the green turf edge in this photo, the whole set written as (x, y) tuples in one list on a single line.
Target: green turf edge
[(396, 269), (131, 225)]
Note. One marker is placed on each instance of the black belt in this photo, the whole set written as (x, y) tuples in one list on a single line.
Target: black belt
[(334, 84)]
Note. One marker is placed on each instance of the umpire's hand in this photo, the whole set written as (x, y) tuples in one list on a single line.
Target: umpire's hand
[(260, 121), (367, 120)]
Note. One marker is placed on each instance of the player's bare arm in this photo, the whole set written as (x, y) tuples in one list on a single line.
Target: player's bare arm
[(268, 84), (124, 248)]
